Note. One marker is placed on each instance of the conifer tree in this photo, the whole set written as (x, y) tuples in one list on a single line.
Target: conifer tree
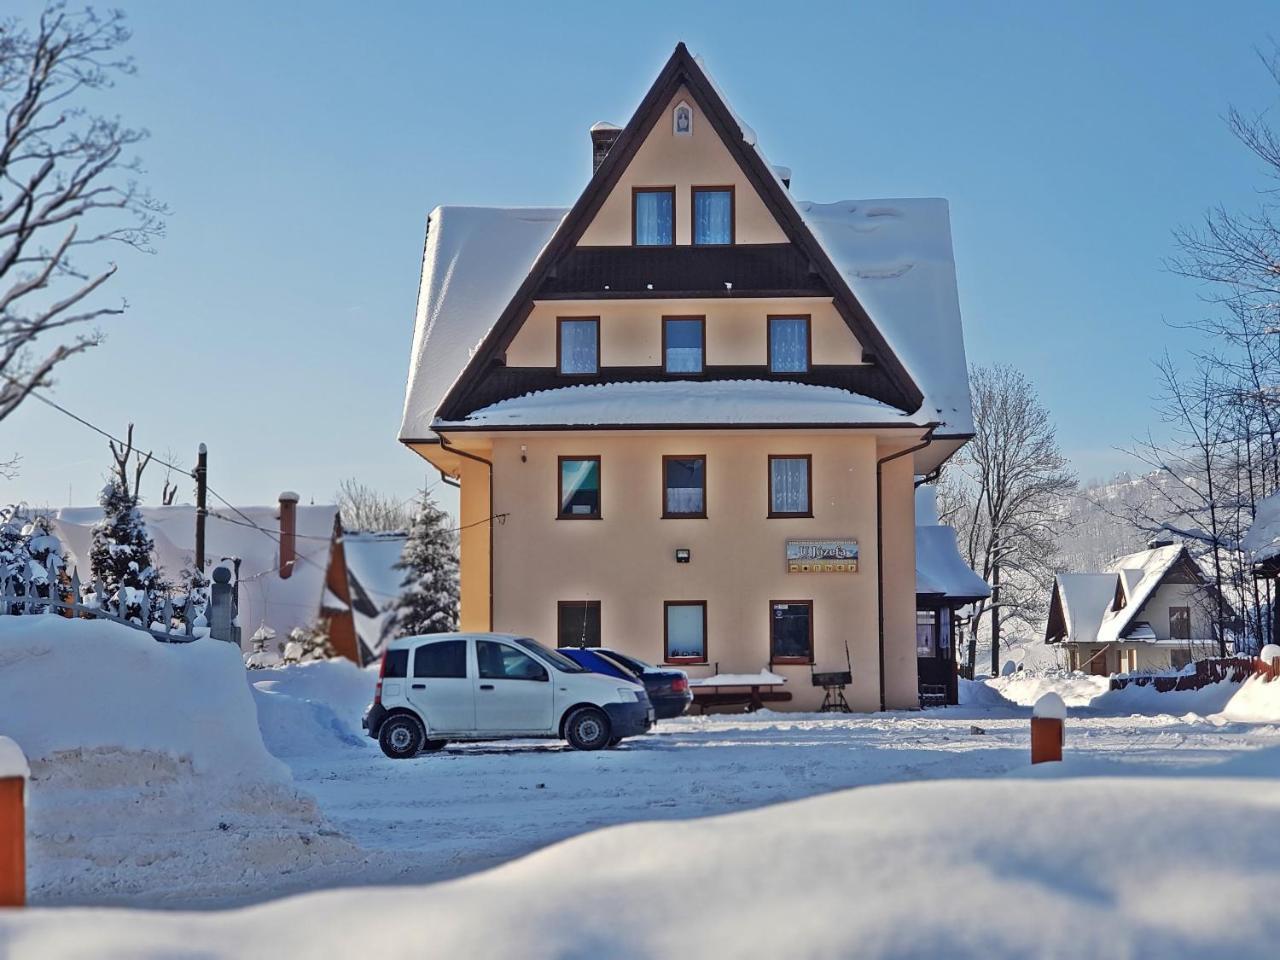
[(428, 601), (121, 555)]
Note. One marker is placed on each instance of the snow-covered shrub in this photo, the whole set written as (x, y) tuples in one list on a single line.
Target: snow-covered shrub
[(31, 557), (428, 601), (308, 643)]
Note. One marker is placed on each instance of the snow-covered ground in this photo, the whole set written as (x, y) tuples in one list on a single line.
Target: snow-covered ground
[(156, 796)]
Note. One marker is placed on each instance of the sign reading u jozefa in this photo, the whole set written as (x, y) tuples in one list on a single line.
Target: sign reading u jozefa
[(822, 556)]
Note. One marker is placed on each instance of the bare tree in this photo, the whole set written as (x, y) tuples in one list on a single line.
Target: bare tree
[(1006, 496), (363, 508), (67, 184), (122, 454)]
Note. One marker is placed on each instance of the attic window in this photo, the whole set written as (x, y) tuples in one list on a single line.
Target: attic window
[(682, 120)]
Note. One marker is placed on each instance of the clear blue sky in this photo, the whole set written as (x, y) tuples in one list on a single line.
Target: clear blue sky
[(301, 147)]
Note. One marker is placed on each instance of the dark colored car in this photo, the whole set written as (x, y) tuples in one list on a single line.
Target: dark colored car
[(667, 687)]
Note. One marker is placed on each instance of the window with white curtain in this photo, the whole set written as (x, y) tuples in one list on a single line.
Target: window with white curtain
[(789, 487), (788, 344), (682, 339), (712, 215), (686, 631), (685, 485), (579, 346), (653, 217)]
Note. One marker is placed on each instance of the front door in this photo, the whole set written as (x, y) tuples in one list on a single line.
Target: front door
[(440, 687), (513, 690)]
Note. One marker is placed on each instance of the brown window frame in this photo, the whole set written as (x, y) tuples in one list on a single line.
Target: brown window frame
[(808, 341), (560, 322), (667, 514), (794, 603), (693, 213), (560, 514), (666, 639), (776, 515), (702, 320), (561, 605), (635, 191), (1188, 610)]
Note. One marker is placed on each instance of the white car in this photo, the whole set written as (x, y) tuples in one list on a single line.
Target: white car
[(496, 686)]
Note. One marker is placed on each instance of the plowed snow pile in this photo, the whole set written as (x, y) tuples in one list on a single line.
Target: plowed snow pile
[(149, 778), (1257, 702)]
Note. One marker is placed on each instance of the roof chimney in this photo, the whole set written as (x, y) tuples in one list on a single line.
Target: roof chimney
[(783, 174), (602, 137), (288, 532), (1159, 542)]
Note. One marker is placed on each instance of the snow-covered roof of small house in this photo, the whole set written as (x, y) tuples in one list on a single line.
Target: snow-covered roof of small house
[(895, 255), (940, 569), (684, 402), (1088, 598), (374, 583), (265, 597), (1262, 541)]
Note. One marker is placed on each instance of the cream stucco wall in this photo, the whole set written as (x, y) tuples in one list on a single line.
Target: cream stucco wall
[(626, 560), (665, 160), (631, 330)]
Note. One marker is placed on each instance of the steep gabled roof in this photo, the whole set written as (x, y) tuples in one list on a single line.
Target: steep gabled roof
[(681, 69), (1079, 604)]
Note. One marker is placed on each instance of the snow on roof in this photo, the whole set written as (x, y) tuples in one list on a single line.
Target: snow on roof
[(897, 258), (1086, 598), (374, 582), (1262, 541), (265, 597), (763, 678), (685, 402), (1140, 573), (940, 569), (13, 762), (604, 125), (474, 261)]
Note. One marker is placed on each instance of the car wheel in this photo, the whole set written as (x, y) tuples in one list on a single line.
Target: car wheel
[(588, 729), (434, 746), (400, 737)]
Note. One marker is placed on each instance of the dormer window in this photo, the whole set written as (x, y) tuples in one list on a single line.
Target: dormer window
[(713, 215), (653, 216)]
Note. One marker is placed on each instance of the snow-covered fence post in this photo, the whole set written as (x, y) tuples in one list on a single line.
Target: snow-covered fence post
[(1270, 657), (13, 824), (221, 612), (1048, 722)]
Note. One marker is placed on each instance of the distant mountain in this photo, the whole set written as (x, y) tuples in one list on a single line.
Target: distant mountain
[(1097, 532)]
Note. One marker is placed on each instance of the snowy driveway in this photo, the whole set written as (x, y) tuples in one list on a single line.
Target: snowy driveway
[(472, 807)]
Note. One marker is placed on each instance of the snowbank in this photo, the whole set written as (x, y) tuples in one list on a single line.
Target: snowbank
[(1087, 862), (1257, 701), (313, 709), (1026, 687), (1147, 700), (150, 782), (118, 688)]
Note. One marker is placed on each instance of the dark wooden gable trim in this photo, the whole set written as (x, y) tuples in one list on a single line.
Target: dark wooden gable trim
[(1055, 628), (680, 69)]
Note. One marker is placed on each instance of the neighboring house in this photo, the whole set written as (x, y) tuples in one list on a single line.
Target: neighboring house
[(1151, 610), (945, 584), (686, 414), (290, 562), (1261, 545)]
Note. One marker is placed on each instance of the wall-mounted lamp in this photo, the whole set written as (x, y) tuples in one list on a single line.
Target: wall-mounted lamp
[(682, 555), (524, 453)]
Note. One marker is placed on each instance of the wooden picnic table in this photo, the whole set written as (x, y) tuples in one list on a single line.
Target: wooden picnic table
[(755, 690)]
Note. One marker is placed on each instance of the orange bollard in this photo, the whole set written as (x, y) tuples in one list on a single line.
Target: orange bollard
[(1048, 729), (13, 825)]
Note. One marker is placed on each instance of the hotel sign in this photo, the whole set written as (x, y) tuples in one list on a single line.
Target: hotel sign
[(822, 556)]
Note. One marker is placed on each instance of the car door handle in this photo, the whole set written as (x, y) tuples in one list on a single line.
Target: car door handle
[(419, 686), (486, 686)]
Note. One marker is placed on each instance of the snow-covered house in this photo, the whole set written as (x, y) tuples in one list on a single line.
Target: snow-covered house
[(1261, 545), (945, 584), (291, 562), (1151, 610), (735, 388)]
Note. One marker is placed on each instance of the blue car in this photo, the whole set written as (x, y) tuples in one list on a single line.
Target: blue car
[(668, 688)]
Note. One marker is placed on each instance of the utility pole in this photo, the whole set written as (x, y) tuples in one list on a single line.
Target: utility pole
[(201, 474)]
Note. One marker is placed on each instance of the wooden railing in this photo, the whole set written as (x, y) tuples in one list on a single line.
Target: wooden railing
[(1208, 672)]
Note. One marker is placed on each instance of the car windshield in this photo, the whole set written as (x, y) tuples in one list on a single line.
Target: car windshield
[(557, 660)]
